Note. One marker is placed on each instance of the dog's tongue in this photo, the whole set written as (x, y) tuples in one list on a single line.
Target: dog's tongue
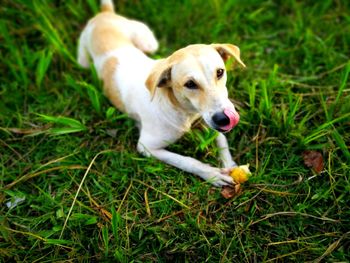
[(234, 119)]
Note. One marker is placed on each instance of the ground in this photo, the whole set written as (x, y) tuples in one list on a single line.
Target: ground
[(73, 187)]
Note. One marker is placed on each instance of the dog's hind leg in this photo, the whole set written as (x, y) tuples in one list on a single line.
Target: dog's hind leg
[(142, 37)]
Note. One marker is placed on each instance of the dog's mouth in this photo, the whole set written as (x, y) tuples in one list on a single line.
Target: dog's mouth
[(230, 118), (222, 130)]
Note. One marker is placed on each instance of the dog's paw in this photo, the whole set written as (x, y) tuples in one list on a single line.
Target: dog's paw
[(219, 177)]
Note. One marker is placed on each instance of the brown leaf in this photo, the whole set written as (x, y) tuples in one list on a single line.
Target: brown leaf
[(28, 131), (314, 160), (229, 192)]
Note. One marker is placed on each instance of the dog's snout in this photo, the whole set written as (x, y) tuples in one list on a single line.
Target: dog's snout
[(224, 121), (220, 119)]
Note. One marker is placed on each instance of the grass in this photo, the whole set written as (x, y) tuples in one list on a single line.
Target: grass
[(83, 193)]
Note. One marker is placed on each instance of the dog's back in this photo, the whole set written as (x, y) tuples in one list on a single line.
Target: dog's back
[(116, 45)]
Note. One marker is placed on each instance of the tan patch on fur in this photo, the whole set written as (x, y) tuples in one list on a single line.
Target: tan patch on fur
[(155, 75), (169, 92), (107, 8), (109, 86), (192, 50), (151, 83), (229, 50), (105, 36), (112, 39)]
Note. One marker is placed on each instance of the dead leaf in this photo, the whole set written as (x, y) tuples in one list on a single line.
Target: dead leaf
[(314, 160), (229, 192), (28, 131)]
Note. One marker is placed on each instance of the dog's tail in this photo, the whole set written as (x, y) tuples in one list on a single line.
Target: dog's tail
[(107, 6)]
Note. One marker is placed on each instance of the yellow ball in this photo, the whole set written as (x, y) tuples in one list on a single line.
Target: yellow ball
[(240, 174)]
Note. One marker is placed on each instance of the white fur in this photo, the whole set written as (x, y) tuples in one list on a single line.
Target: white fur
[(160, 122)]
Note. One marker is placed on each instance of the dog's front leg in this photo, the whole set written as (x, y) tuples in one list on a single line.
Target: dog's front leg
[(217, 176), (224, 151)]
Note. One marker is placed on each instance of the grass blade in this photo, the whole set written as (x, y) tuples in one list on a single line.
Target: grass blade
[(116, 220), (94, 95), (341, 143), (61, 131), (252, 94), (70, 122), (50, 32), (70, 125), (343, 83), (43, 65), (322, 130), (105, 239)]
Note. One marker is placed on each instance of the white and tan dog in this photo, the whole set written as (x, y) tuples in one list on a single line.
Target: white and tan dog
[(164, 96)]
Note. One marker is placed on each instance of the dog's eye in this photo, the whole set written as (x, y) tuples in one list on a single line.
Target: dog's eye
[(191, 85), (219, 73)]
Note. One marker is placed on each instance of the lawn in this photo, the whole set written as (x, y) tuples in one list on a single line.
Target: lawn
[(73, 187)]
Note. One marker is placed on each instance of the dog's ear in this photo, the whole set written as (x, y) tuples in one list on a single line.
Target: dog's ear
[(160, 76), (228, 50)]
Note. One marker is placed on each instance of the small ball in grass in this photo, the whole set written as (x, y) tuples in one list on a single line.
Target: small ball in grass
[(240, 174)]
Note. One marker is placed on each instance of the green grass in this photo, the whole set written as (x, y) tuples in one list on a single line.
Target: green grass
[(87, 195)]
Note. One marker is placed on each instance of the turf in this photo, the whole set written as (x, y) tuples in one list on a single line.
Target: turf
[(83, 193)]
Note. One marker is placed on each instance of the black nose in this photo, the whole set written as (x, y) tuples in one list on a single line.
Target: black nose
[(220, 119)]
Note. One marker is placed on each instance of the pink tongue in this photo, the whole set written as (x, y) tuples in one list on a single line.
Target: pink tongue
[(234, 119)]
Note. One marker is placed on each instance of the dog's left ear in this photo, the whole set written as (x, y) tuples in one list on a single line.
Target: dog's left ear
[(160, 77), (228, 50)]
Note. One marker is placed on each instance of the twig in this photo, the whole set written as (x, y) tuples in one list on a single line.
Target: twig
[(293, 214), (124, 197), (32, 175), (331, 248), (165, 194), (80, 185)]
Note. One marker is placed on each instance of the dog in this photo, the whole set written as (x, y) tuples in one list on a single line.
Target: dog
[(163, 96)]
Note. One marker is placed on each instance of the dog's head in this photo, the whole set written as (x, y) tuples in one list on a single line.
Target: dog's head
[(194, 79)]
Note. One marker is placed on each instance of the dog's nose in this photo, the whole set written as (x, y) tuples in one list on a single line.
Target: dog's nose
[(220, 119), (224, 121)]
